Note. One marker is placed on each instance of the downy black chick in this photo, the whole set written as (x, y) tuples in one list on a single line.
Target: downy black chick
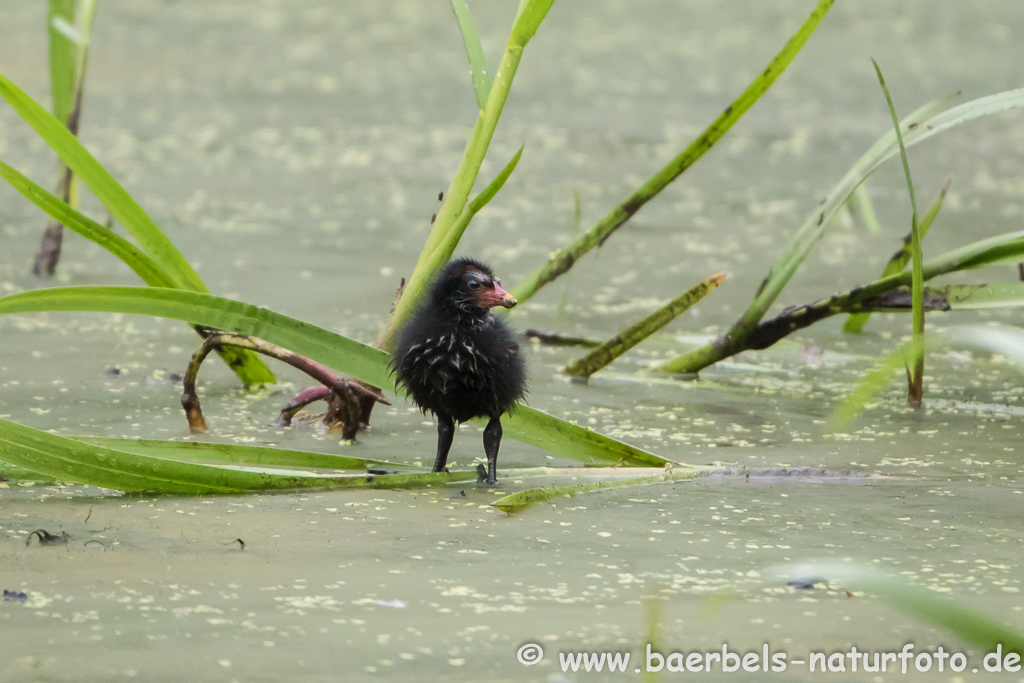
[(460, 362)]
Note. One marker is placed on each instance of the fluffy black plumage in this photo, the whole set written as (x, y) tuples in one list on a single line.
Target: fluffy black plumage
[(460, 362)]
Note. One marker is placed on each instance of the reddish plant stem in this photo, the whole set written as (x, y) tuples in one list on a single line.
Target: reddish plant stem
[(348, 398)]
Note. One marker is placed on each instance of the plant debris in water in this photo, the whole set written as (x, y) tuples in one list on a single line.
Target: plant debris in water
[(240, 542), (46, 538)]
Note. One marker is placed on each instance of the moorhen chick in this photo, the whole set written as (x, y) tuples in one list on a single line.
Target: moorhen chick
[(460, 362)]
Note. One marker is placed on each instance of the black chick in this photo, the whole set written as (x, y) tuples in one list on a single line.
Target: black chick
[(458, 361)]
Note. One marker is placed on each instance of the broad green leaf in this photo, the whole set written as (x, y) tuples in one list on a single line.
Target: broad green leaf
[(344, 354), (62, 58), (197, 451), (72, 460), (363, 362), (145, 267), (568, 440), (127, 211), (628, 338), (474, 51)]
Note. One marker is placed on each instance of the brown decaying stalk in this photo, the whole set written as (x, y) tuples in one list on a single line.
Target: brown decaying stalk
[(348, 400), (53, 237)]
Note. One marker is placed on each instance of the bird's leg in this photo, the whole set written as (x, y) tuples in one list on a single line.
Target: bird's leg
[(445, 434), (492, 439)]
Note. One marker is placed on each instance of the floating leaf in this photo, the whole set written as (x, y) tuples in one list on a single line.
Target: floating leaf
[(517, 502)]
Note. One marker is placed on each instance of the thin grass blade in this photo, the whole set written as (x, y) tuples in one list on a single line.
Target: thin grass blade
[(814, 226), (920, 125), (447, 247), (528, 19), (915, 129), (564, 259), (62, 57), (531, 14), (855, 323), (627, 339), (915, 390), (474, 52), (867, 209)]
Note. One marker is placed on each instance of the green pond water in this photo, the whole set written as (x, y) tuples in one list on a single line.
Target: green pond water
[(294, 152)]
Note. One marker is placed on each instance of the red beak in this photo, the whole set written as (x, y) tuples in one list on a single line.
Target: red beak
[(498, 297)]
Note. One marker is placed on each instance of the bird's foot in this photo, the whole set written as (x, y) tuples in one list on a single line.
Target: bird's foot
[(484, 476)]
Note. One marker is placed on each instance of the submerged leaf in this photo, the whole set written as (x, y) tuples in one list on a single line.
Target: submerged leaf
[(517, 502)]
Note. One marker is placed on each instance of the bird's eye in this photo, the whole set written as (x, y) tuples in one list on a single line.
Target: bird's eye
[(474, 285)]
